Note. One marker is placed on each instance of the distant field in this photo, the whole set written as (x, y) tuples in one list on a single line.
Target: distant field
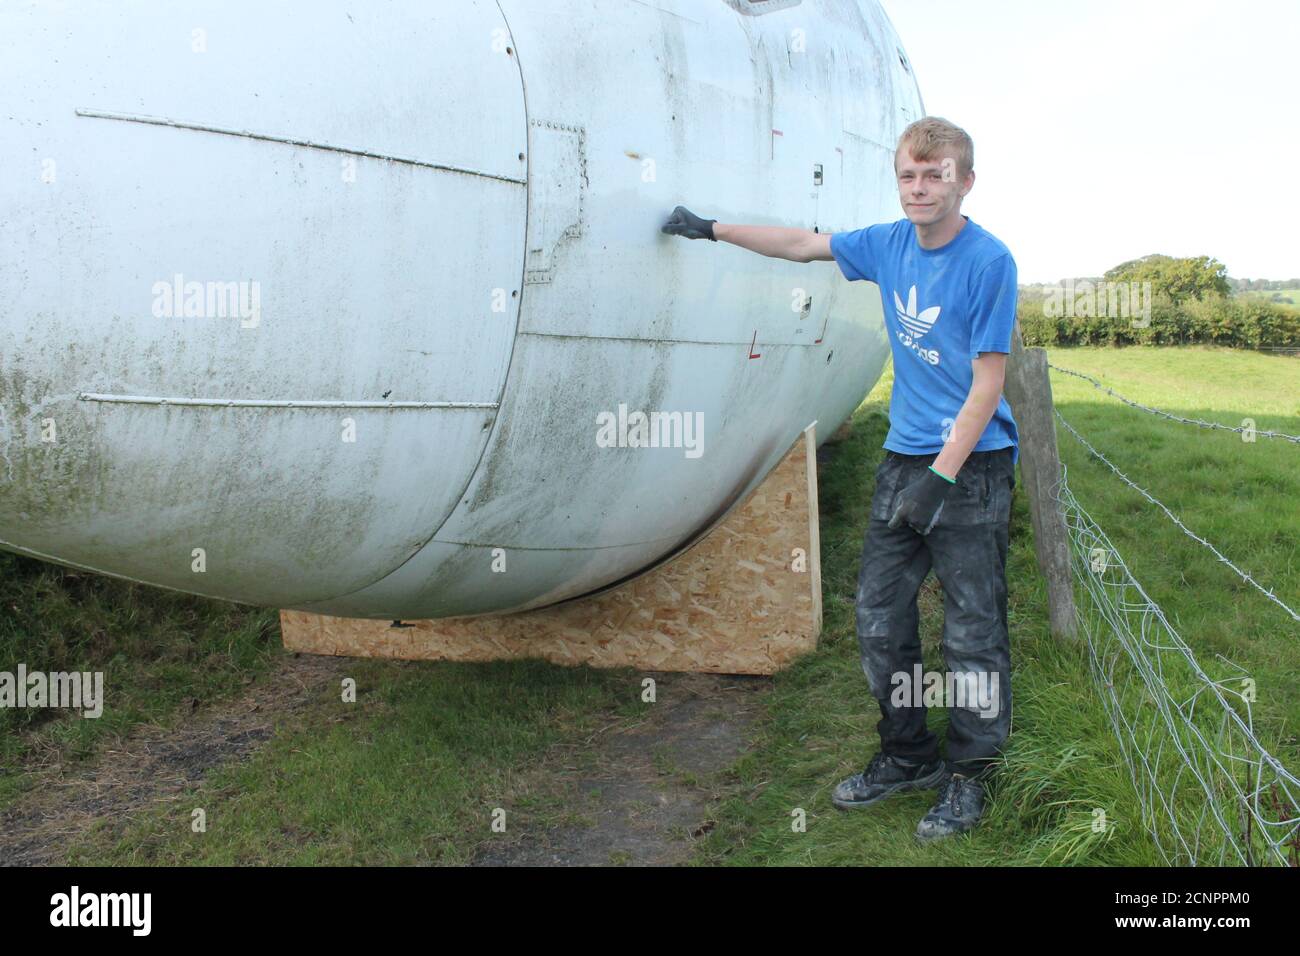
[(1267, 296), (1242, 497)]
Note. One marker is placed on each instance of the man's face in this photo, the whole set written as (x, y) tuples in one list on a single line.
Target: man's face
[(931, 190)]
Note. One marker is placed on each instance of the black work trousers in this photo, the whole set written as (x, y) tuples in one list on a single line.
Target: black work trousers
[(967, 548)]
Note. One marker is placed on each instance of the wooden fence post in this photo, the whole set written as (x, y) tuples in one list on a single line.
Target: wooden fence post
[(1029, 393)]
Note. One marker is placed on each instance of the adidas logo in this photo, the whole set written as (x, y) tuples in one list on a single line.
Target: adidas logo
[(915, 325), (918, 325)]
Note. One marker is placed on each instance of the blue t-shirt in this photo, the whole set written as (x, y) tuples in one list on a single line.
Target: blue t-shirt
[(942, 308)]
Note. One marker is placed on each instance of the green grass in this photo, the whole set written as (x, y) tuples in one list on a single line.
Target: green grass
[(1240, 496), (156, 649), (410, 774)]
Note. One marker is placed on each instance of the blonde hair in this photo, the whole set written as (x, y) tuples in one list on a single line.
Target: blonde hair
[(929, 137)]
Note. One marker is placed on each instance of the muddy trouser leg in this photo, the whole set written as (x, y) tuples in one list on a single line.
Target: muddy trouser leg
[(970, 557), (894, 564)]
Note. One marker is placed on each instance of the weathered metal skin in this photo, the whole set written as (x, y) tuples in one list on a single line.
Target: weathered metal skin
[(318, 307)]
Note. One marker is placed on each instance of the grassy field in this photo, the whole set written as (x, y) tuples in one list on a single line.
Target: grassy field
[(410, 774), (406, 774), (1267, 296), (1240, 496), (159, 651)]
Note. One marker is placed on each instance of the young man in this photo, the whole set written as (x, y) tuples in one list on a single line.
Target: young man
[(943, 492)]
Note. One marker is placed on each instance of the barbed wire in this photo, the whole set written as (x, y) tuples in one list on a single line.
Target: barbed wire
[(1174, 518), (1184, 740), (1177, 418)]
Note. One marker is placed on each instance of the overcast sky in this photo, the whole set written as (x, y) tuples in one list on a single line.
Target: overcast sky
[(1110, 129)]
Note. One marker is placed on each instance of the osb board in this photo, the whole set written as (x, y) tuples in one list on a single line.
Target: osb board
[(731, 604)]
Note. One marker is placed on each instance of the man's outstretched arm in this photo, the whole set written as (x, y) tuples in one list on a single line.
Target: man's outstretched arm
[(777, 242)]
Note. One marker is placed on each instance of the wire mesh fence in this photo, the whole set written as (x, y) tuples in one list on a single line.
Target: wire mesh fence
[(1211, 792)]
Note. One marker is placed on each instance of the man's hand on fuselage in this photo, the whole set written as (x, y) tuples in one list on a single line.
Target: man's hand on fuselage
[(775, 242)]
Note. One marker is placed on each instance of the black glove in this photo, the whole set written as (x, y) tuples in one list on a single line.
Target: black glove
[(920, 503), (683, 222)]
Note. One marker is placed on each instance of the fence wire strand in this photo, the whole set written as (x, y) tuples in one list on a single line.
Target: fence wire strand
[(1172, 417)]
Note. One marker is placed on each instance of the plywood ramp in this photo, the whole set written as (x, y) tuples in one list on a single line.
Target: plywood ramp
[(746, 599)]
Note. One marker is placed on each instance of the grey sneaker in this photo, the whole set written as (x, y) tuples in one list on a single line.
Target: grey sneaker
[(959, 807), (885, 775)]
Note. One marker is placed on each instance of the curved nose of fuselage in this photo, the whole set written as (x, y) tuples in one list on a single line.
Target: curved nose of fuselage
[(254, 328)]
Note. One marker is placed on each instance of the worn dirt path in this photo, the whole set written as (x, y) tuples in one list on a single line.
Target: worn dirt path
[(645, 790), (642, 788)]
